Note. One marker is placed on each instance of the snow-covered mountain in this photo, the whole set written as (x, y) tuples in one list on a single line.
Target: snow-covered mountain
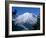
[(26, 18)]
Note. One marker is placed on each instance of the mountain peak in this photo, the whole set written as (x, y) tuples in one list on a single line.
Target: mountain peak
[(26, 18)]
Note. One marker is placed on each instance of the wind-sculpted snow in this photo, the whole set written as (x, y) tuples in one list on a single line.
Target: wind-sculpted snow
[(29, 18)]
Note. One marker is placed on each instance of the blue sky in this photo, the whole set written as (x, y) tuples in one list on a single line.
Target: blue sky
[(21, 10)]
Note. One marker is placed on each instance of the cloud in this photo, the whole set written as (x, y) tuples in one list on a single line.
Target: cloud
[(29, 18)]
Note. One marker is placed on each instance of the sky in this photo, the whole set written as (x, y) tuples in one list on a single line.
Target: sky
[(21, 10)]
